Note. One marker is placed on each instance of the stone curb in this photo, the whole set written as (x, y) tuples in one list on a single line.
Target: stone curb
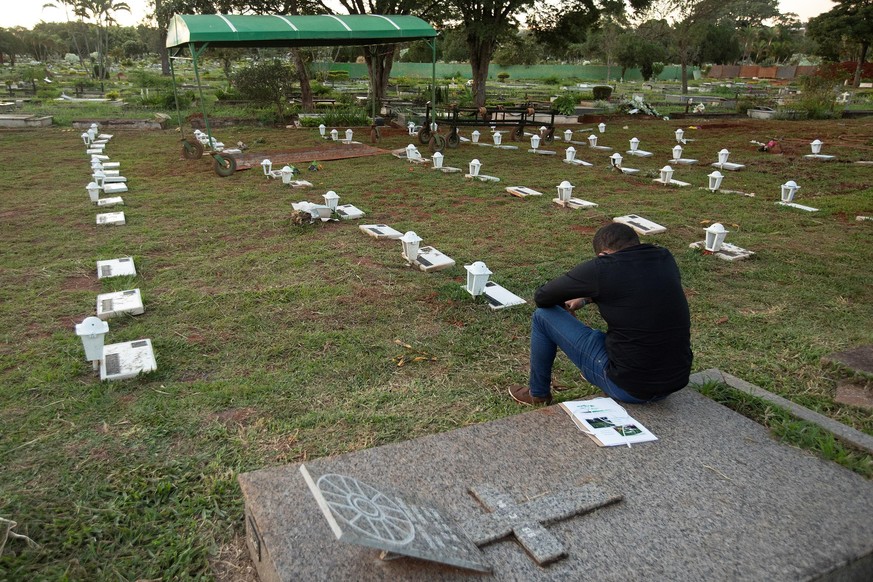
[(845, 433)]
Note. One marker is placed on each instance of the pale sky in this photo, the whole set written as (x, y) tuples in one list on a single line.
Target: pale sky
[(27, 13)]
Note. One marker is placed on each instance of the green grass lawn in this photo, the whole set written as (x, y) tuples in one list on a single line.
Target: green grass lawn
[(276, 343)]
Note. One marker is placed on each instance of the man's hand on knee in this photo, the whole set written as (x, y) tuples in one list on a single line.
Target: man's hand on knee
[(573, 304)]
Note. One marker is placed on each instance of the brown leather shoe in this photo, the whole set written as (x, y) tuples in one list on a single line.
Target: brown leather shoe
[(522, 395)]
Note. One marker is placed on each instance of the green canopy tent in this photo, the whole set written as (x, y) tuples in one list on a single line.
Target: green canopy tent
[(197, 32)]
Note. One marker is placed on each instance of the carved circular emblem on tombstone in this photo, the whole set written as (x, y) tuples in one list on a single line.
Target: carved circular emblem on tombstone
[(366, 510)]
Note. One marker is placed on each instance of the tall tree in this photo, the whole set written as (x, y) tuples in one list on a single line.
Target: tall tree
[(689, 17), (102, 13), (851, 20), (380, 58), (485, 22), (10, 43), (603, 43)]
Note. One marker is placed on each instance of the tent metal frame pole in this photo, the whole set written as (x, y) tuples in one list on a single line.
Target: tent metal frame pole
[(195, 54), (432, 44), (176, 93)]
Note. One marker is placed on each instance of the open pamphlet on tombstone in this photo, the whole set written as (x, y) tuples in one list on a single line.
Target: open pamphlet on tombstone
[(606, 422)]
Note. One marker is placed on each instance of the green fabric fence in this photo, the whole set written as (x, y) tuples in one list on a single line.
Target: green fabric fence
[(596, 73)]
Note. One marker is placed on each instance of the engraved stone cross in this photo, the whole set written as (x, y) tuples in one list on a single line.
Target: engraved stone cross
[(527, 520)]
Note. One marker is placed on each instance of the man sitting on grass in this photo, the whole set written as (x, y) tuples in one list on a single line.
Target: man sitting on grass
[(645, 353)]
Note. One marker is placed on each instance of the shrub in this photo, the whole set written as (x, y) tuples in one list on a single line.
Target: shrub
[(502, 76), (149, 79), (602, 92), (339, 117), (818, 98), (267, 82), (48, 93), (338, 75), (551, 81), (114, 95), (566, 103), (229, 94)]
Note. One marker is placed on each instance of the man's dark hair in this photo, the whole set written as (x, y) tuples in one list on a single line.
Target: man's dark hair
[(614, 237)]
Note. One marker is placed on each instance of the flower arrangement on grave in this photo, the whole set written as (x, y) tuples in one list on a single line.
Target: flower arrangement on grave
[(315, 166), (300, 218)]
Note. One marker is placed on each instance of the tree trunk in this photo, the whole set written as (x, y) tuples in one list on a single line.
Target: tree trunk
[(684, 78), (480, 58), (165, 55), (379, 59), (303, 77), (857, 81)]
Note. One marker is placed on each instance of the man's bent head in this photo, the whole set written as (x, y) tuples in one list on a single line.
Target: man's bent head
[(614, 237)]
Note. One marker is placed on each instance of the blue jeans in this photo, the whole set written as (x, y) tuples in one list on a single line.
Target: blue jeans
[(555, 327)]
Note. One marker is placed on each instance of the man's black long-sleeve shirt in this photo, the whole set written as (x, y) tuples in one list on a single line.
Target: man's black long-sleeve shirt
[(640, 296)]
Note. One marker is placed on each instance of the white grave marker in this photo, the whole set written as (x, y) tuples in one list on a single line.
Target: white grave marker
[(615, 160), (592, 143), (570, 158), (715, 179), (477, 277), (666, 178), (111, 201), (349, 212), (414, 156), (498, 142), (107, 165), (409, 246), (636, 151), (93, 191), (566, 200), (522, 191), (111, 219), (380, 231), (121, 302), (816, 152), (429, 259), (535, 145), (127, 360), (641, 225), (499, 297), (727, 251), (438, 164), (678, 159), (475, 166), (788, 190), (119, 188), (724, 164), (92, 331), (98, 167), (122, 267)]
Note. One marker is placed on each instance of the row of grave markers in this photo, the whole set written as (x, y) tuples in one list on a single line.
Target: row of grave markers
[(127, 359), (425, 258), (715, 234), (714, 242)]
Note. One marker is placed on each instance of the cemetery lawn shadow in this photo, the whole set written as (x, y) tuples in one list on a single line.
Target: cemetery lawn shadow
[(278, 343)]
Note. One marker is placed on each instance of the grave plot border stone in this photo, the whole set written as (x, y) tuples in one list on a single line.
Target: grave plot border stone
[(716, 497)]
